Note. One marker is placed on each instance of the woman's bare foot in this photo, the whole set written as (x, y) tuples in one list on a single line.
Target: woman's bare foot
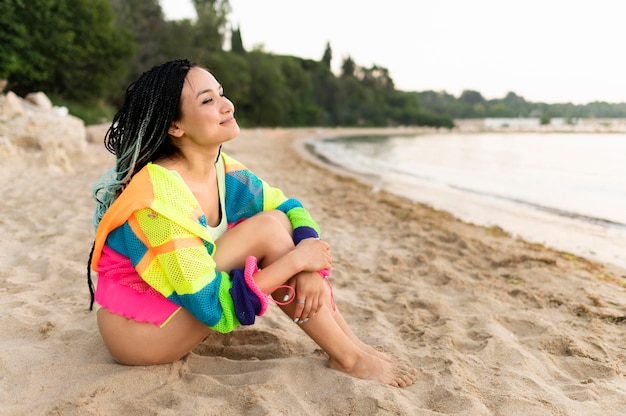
[(401, 366), (373, 351), (372, 367)]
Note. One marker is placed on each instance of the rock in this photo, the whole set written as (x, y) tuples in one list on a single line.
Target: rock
[(96, 132), (7, 148), (12, 105), (40, 99), (35, 125)]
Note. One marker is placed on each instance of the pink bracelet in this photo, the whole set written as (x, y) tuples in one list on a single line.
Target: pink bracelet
[(325, 274), (251, 269)]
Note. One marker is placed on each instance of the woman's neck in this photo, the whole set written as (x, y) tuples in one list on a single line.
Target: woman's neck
[(194, 166)]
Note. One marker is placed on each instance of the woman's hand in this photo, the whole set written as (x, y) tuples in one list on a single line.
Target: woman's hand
[(314, 255), (310, 290)]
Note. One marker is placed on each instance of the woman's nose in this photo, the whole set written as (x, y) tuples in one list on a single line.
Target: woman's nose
[(227, 105)]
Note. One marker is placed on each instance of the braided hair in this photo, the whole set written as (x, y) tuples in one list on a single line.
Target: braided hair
[(139, 134)]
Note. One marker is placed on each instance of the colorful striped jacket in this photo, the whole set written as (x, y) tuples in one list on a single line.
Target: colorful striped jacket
[(156, 231)]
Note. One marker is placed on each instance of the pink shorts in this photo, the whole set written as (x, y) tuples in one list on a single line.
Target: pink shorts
[(122, 291)]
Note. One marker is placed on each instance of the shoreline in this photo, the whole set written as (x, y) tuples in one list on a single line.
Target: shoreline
[(493, 324), (567, 233)]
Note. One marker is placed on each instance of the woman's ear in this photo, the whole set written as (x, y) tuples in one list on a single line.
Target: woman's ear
[(175, 130)]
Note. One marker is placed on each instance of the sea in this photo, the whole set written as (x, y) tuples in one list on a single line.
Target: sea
[(564, 190)]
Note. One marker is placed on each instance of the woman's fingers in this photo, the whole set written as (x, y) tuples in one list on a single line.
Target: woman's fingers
[(307, 308), (310, 289), (317, 254), (299, 315)]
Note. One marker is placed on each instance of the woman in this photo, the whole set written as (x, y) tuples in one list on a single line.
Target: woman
[(188, 240)]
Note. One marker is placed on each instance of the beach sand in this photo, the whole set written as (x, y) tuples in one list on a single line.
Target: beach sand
[(493, 325)]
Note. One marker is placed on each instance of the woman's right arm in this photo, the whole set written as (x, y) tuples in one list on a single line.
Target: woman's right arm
[(310, 255)]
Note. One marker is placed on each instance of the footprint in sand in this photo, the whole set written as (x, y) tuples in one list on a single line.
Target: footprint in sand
[(246, 344)]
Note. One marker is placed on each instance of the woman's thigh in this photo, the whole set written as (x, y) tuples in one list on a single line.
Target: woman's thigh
[(139, 343), (266, 236)]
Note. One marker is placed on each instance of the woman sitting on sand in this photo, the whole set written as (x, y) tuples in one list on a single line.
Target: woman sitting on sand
[(188, 240)]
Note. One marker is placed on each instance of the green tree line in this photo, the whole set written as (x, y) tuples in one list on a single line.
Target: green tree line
[(471, 104), (83, 53)]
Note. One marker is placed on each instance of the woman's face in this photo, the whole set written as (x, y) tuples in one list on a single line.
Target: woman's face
[(207, 118)]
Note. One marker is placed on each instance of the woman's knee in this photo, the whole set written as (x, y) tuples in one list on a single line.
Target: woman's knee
[(266, 235), (272, 227), (281, 218)]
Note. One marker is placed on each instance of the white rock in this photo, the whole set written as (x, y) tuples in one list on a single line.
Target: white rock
[(34, 126), (40, 99), (12, 105)]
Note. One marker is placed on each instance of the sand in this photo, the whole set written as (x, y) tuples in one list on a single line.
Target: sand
[(494, 325)]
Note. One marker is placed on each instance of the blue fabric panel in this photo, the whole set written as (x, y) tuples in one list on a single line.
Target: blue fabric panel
[(204, 304), (124, 241), (244, 195)]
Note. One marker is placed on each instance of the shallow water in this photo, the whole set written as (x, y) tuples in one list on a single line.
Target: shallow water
[(564, 190)]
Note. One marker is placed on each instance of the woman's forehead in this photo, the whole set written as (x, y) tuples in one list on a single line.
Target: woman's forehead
[(199, 80)]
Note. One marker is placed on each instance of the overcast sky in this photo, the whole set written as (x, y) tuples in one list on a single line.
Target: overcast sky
[(544, 50)]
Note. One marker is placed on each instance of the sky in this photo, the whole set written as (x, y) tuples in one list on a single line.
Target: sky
[(551, 51)]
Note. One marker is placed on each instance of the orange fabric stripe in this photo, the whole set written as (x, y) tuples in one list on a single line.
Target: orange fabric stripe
[(144, 263), (165, 248), (134, 225), (231, 167), (147, 258), (177, 243)]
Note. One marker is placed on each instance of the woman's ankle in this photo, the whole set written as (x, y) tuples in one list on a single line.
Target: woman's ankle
[(347, 362)]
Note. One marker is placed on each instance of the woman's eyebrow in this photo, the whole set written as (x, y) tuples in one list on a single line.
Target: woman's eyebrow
[(203, 92), (219, 87)]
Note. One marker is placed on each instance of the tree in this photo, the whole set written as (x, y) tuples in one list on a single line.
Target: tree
[(328, 56), (145, 20), (376, 76), (264, 105), (236, 44), (179, 40), (348, 67), (12, 41), (211, 24), (471, 97), (69, 47)]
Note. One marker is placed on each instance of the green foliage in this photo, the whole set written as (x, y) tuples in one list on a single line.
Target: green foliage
[(348, 67), (328, 56), (236, 43), (69, 46), (210, 27), (91, 111), (179, 41), (86, 52), (145, 21), (469, 105), (11, 39)]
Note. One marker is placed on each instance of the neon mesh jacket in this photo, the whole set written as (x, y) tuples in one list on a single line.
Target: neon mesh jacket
[(154, 240)]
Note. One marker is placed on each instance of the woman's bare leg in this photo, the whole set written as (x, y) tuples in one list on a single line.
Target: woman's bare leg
[(327, 328), (138, 343), (346, 328), (346, 352)]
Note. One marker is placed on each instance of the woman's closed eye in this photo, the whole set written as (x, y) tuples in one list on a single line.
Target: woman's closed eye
[(210, 99)]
